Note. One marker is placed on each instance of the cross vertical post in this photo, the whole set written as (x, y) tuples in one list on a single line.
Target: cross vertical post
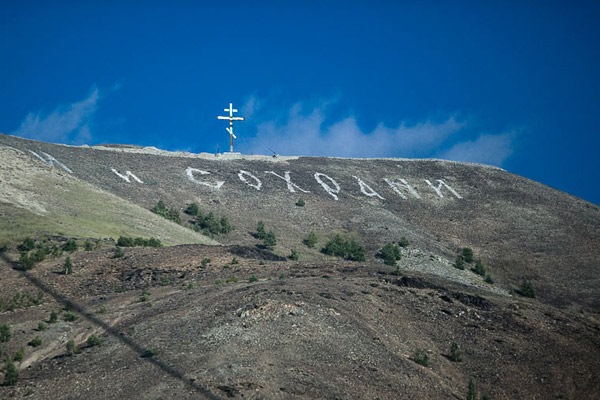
[(229, 129)]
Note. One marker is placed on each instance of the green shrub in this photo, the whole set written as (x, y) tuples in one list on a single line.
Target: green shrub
[(41, 327), (260, 230), (421, 357), (300, 203), (118, 252), (124, 241), (53, 317), (27, 245), (526, 289), (88, 246), (311, 240), (19, 355), (294, 255), (467, 254), (192, 209), (70, 246), (70, 316), (488, 279), (455, 352), (93, 340), (479, 269), (205, 261), (169, 213), (471, 391), (390, 254), (270, 240), (26, 262), (149, 353), (232, 279), (35, 342), (11, 373), (209, 224), (5, 333), (145, 296), (403, 242), (68, 266), (38, 255), (459, 262), (344, 247), (71, 348), (234, 261), (252, 278)]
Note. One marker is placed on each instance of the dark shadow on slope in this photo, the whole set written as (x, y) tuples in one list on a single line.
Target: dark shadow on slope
[(142, 351)]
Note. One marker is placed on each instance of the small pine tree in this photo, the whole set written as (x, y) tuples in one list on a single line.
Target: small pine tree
[(403, 242), (471, 391), (68, 266), (294, 255), (192, 209), (70, 246), (300, 203), (467, 254), (11, 373), (71, 347), (479, 269), (527, 289), (5, 333), (260, 230), (118, 252), (455, 352), (311, 240), (270, 240), (53, 317), (459, 263)]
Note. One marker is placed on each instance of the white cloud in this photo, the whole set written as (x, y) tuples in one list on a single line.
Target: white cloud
[(69, 123), (296, 132), (486, 149)]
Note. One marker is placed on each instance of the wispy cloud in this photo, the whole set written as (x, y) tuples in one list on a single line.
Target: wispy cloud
[(68, 123), (314, 133)]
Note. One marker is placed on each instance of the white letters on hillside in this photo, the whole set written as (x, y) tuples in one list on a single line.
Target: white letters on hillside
[(257, 183), (128, 174), (190, 174), (438, 189), (404, 184), (50, 161), (332, 191), (287, 180), (366, 189)]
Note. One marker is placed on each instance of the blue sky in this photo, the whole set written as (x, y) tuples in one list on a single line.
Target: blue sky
[(510, 83)]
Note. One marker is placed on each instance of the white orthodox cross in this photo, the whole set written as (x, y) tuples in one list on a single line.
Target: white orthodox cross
[(229, 129)]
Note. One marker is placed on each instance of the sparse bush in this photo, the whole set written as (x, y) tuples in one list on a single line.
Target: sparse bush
[(252, 278), (68, 266), (3, 248), (471, 391), (70, 316), (38, 255), (5, 333), (344, 247), (35, 342), (390, 254), (145, 296), (41, 327), (149, 353), (71, 348), (169, 213), (205, 261), (467, 254), (88, 246), (28, 244), (526, 289), (403, 242), (218, 282), (421, 357), (232, 279), (19, 355), (53, 317), (234, 261), (311, 240), (93, 340), (260, 230), (70, 246), (118, 252), (270, 240), (488, 279), (479, 269), (300, 203), (26, 262), (459, 263), (192, 209), (455, 352), (125, 241), (11, 373), (294, 255)]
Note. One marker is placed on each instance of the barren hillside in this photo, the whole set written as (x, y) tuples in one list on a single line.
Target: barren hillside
[(242, 320)]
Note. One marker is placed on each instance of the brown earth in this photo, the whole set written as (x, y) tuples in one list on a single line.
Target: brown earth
[(235, 320)]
